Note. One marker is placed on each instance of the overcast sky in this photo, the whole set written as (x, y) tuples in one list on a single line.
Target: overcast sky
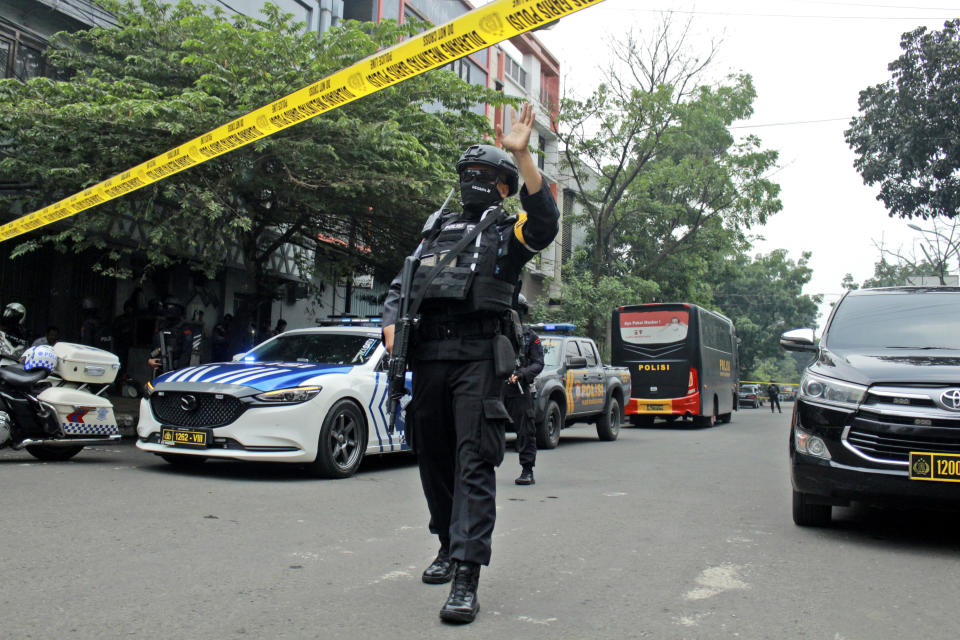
[(809, 60)]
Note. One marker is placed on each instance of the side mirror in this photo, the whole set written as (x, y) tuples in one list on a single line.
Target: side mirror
[(798, 340), (576, 362)]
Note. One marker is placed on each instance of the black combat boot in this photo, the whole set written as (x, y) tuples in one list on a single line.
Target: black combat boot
[(462, 604), (526, 476), (442, 568)]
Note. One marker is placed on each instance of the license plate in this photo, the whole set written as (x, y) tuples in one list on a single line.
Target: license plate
[(937, 467), (185, 437), (654, 408)]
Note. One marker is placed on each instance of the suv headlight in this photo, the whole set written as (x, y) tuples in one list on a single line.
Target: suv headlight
[(293, 395), (832, 392)]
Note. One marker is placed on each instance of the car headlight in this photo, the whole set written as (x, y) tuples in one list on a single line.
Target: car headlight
[(293, 395), (148, 389), (832, 392)]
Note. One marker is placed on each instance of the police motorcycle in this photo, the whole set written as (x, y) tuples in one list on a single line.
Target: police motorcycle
[(47, 401)]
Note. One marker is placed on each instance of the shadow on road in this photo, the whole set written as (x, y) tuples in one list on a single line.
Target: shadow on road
[(897, 527), (271, 471)]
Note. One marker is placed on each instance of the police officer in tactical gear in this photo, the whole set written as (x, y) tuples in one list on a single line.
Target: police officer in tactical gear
[(13, 336), (456, 419), (519, 398), (173, 340)]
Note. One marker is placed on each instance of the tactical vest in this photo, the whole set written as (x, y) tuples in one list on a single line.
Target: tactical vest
[(473, 282)]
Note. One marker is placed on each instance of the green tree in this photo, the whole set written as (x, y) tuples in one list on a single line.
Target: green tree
[(905, 137), (774, 369), (764, 298), (896, 274), (365, 174), (669, 192)]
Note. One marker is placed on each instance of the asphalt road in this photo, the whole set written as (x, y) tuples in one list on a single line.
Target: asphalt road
[(666, 533)]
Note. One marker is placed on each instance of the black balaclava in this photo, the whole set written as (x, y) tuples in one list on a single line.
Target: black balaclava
[(477, 196)]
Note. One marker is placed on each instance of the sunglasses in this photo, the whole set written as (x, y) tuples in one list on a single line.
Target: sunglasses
[(481, 175)]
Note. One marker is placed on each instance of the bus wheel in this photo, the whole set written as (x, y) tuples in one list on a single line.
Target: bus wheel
[(548, 431), (724, 418), (608, 424), (641, 420), (708, 420)]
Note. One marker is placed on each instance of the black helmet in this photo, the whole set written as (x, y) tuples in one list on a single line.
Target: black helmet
[(491, 156), (173, 308), (14, 313), (522, 307)]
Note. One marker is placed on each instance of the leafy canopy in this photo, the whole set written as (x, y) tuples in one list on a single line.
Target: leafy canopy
[(905, 137)]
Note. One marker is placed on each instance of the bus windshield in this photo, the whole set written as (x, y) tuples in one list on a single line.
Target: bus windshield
[(654, 327)]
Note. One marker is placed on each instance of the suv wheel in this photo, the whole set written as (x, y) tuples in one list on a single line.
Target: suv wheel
[(807, 514)]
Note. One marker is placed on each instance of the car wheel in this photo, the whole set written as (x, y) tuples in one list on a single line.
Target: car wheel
[(641, 420), (807, 514), (181, 460), (548, 431), (49, 453), (342, 442), (608, 424)]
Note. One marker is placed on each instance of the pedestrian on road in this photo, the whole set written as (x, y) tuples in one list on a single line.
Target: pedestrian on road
[(519, 397), (456, 419), (773, 392)]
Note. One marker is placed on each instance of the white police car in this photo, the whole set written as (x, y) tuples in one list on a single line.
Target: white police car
[(316, 397)]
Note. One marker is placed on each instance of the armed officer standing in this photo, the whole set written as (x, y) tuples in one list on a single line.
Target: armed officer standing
[(519, 398), (173, 340), (456, 419)]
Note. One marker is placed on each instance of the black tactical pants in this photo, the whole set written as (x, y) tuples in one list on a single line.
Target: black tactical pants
[(521, 410), (457, 423)]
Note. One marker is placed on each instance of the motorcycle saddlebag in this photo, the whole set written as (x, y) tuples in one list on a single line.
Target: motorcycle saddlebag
[(81, 413), (83, 364)]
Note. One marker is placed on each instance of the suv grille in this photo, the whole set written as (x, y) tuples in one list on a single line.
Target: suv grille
[(211, 410), (893, 421)]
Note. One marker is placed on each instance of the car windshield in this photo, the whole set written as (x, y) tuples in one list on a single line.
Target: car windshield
[(328, 348), (551, 352), (924, 320)]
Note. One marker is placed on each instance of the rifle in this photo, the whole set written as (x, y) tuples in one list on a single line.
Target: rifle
[(516, 337), (165, 362), (406, 322)]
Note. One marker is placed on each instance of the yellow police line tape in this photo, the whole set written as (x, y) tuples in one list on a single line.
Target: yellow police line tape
[(471, 32), (789, 384)]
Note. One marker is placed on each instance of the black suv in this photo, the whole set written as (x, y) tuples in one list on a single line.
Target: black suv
[(877, 416)]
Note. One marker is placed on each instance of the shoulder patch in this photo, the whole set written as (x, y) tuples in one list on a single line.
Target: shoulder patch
[(518, 229)]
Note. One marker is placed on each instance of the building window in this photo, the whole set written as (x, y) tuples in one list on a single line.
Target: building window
[(515, 71), (21, 56), (542, 148)]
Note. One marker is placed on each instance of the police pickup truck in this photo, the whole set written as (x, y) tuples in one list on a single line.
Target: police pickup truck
[(575, 386)]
